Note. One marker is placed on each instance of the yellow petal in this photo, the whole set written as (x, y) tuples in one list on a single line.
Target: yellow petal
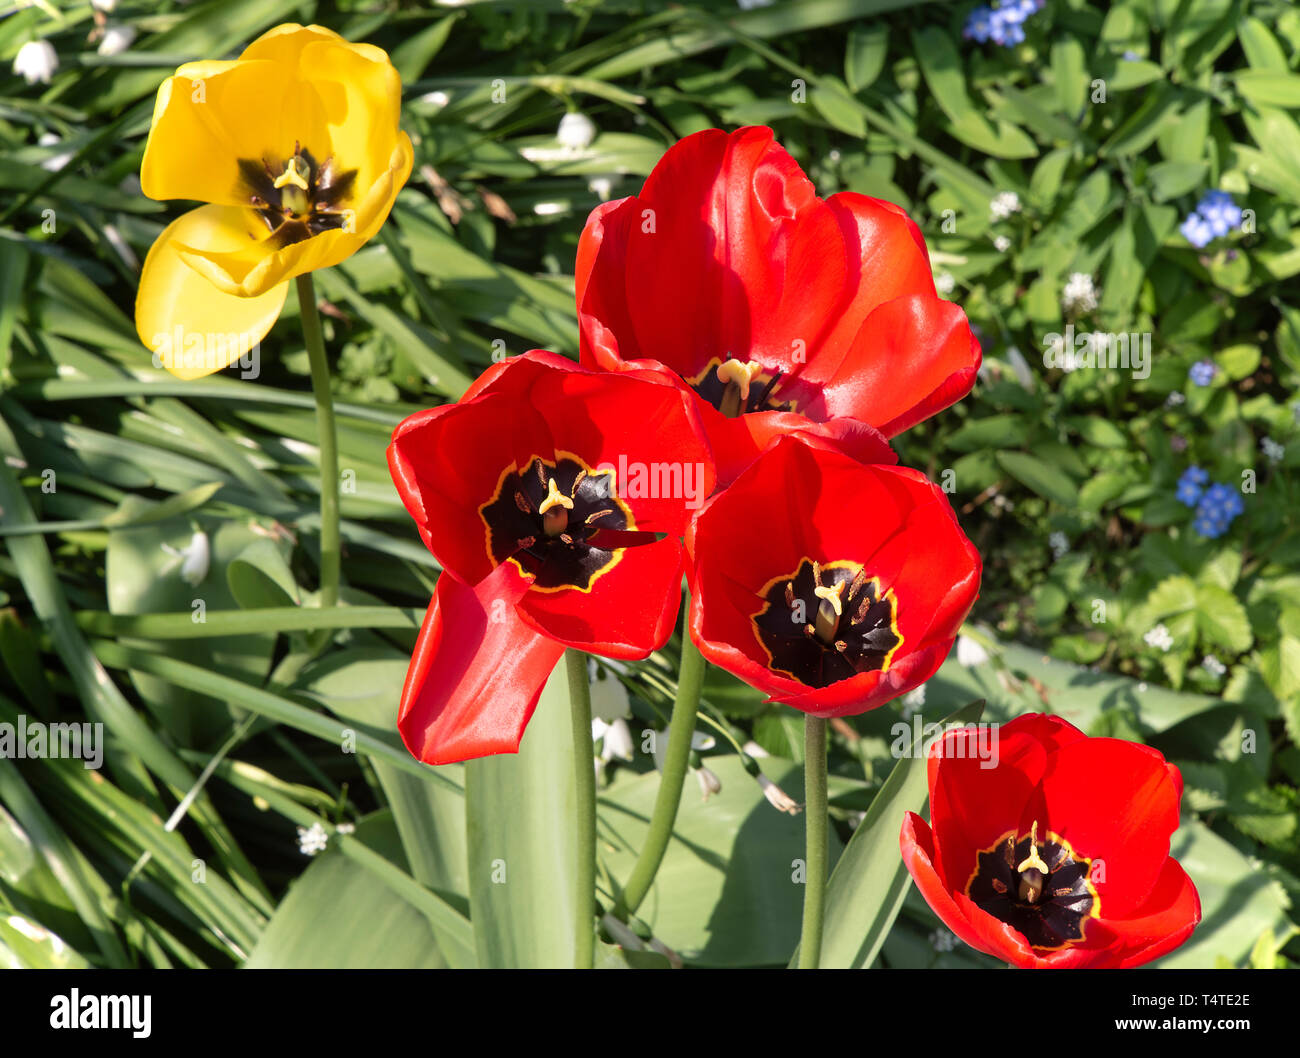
[(192, 328), (256, 265), (210, 115), (284, 43)]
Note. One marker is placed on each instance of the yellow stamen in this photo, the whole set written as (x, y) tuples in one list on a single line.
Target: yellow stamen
[(291, 175), (742, 373), (554, 498), (1033, 859), (832, 596)]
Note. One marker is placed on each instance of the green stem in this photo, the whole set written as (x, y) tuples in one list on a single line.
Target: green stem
[(815, 820), (680, 729), (585, 782), (328, 440)]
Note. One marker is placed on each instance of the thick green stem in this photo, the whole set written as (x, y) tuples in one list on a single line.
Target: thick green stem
[(328, 440), (584, 768), (680, 729), (815, 821)]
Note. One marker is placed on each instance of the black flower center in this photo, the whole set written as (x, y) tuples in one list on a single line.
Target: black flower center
[(1040, 889), (737, 387), (300, 197), (559, 521), (827, 623)]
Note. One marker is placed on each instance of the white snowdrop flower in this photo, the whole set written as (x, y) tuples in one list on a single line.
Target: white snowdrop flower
[(1174, 399), (1273, 451), (106, 6), (54, 162), (753, 749), (36, 61), (1003, 204), (1059, 543), (1080, 294), (312, 840), (548, 209), (699, 741), (1159, 638), (942, 940), (1020, 366), (116, 40), (777, 797), (1213, 665), (438, 99), (576, 131), (617, 739), (346, 828), (970, 653), (1001, 243), (709, 783), (195, 557), (945, 283), (602, 186)]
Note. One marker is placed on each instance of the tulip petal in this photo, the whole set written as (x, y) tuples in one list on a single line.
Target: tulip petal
[(630, 610), (192, 328), (476, 673)]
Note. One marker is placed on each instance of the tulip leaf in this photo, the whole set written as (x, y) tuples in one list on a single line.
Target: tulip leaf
[(866, 890), (523, 854)]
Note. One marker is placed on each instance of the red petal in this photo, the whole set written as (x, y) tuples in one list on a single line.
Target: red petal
[(977, 928), (476, 673), (912, 357), (630, 610), (1116, 801)]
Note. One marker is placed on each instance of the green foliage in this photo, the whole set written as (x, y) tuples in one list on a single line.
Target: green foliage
[(1108, 124)]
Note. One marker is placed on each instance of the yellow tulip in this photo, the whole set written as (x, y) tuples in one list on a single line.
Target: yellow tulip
[(295, 148)]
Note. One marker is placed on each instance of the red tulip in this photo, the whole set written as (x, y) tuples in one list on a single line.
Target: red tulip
[(784, 312), (834, 586), (1057, 856), (554, 498)]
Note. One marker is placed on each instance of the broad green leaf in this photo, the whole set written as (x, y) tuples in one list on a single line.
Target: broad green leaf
[(1035, 474), (1222, 619)]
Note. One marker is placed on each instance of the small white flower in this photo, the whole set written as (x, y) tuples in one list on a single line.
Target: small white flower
[(1059, 543), (312, 840), (438, 99), (54, 162), (1174, 399), (116, 40), (1080, 294), (106, 6), (833, 156), (617, 739), (1001, 243), (576, 131), (778, 798), (699, 740), (1003, 204), (1002, 503), (970, 653), (346, 828), (602, 186), (942, 940), (945, 283), (36, 61), (753, 749), (1213, 665), (1273, 451), (549, 209), (1159, 638), (709, 783), (195, 558)]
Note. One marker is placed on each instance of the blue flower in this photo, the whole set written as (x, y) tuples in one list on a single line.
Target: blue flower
[(1214, 216), (1190, 485), (1219, 505), (1003, 24), (979, 24), (1202, 372)]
